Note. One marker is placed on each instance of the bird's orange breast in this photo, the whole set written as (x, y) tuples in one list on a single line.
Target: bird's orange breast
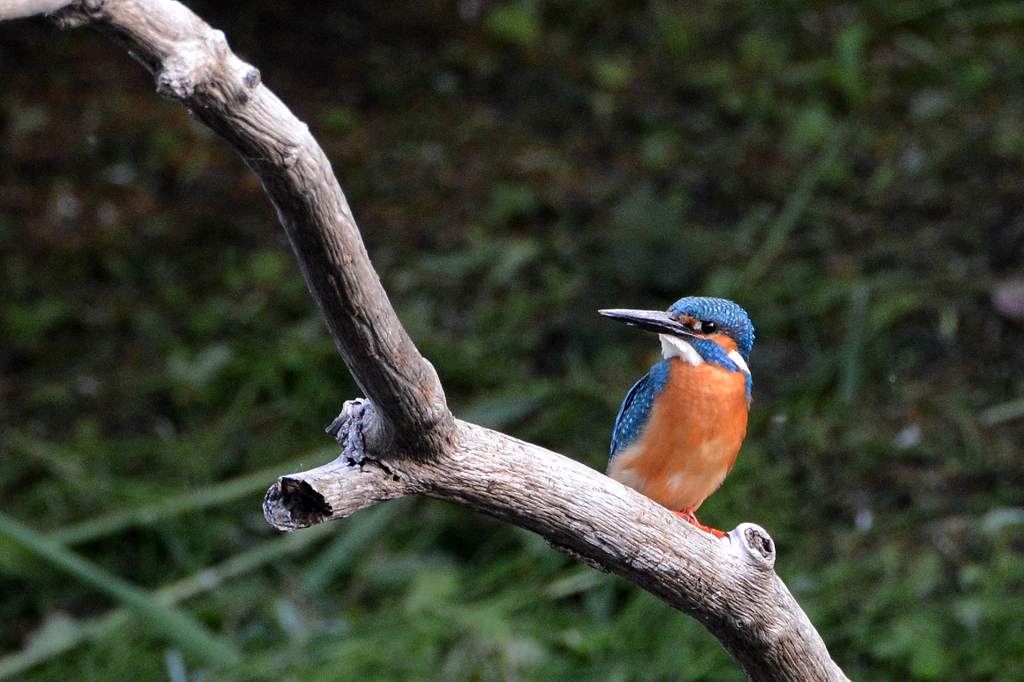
[(695, 430)]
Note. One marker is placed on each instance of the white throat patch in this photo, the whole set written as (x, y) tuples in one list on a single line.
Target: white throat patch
[(735, 356), (674, 347)]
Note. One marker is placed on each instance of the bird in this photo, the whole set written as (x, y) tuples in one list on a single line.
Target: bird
[(681, 426)]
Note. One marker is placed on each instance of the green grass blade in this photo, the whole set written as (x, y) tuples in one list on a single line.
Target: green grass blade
[(54, 641), (1003, 412), (212, 495), (62, 462), (188, 633), (852, 354), (74, 634), (793, 210), (358, 533), (243, 563)]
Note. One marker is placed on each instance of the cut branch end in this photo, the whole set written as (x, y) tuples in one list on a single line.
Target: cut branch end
[(406, 441), (291, 504)]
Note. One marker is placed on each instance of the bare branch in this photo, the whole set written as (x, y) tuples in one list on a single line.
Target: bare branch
[(16, 9), (404, 441), (192, 62), (729, 585)]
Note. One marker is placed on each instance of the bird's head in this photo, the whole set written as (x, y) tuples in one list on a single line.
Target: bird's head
[(693, 319)]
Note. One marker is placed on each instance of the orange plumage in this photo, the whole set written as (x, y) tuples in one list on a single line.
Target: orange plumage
[(692, 438), (680, 426)]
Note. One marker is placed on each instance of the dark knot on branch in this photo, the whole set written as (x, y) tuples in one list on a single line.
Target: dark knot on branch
[(360, 430), (291, 504), (406, 441), (754, 543)]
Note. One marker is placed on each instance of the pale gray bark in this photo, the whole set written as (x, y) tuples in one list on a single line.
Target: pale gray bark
[(729, 585), (15, 9), (191, 62), (403, 440)]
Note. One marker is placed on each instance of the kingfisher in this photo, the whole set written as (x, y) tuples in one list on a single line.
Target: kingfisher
[(681, 425)]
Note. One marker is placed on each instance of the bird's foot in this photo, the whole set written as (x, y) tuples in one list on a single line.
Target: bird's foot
[(691, 519)]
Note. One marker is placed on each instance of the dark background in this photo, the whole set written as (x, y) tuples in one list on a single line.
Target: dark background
[(850, 173)]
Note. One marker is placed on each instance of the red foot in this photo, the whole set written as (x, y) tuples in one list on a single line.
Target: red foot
[(691, 518)]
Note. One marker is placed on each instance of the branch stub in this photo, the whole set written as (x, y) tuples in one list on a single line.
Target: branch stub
[(754, 543)]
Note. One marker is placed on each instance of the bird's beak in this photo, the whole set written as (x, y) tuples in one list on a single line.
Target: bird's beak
[(651, 320)]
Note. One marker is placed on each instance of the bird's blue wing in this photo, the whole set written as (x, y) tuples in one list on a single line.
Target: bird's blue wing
[(636, 408)]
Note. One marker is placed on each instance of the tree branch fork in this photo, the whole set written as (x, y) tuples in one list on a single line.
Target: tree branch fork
[(402, 440), (728, 584)]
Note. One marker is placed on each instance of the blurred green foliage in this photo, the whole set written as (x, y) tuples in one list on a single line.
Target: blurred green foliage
[(850, 172)]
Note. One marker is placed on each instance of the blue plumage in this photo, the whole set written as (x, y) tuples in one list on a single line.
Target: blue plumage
[(636, 407), (730, 319), (713, 354)]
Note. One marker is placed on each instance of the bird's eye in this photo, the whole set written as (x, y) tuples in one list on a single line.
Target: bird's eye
[(707, 327)]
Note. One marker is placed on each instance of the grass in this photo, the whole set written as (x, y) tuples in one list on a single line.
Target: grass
[(848, 172), (63, 635), (116, 522), (170, 623)]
